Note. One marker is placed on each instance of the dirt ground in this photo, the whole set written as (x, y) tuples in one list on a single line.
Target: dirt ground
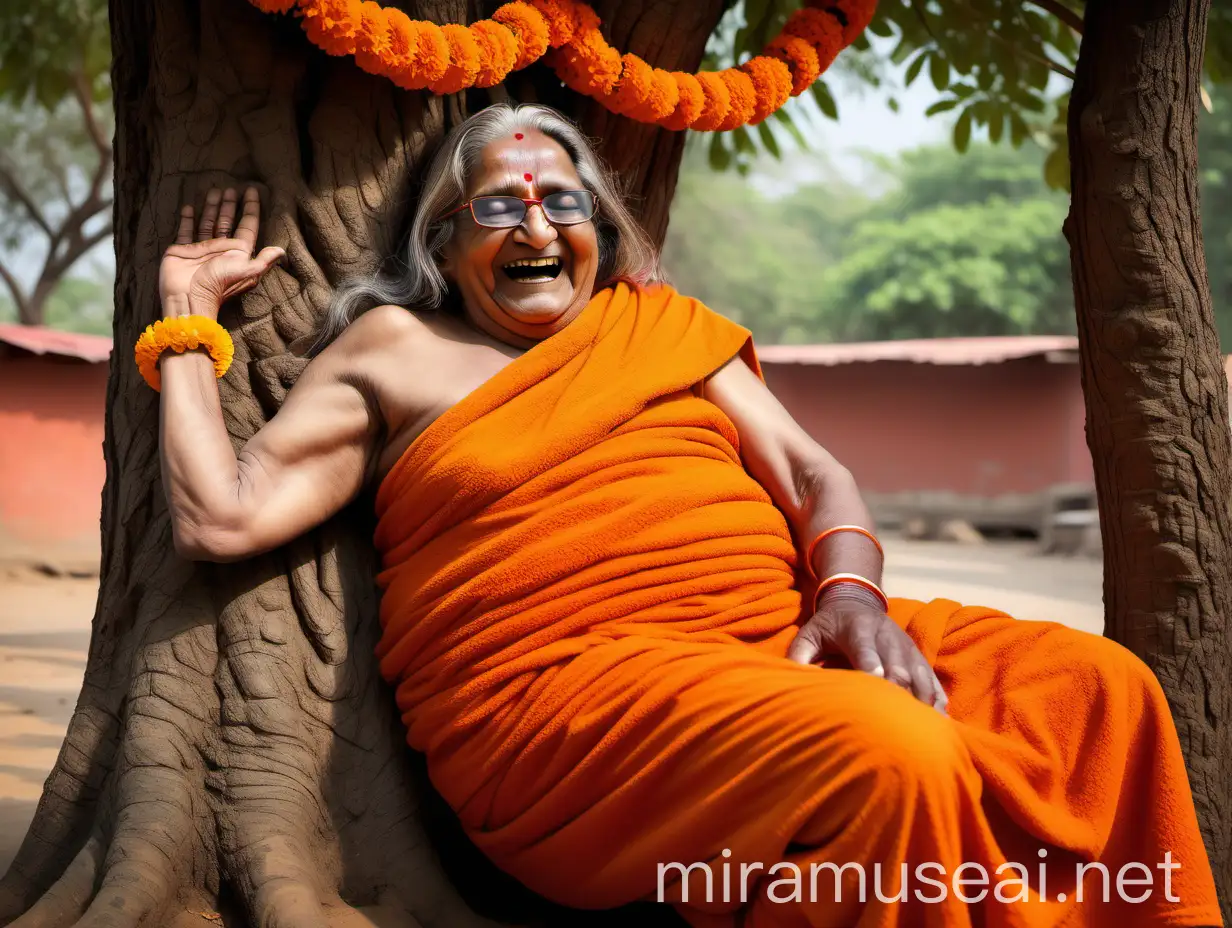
[(45, 634)]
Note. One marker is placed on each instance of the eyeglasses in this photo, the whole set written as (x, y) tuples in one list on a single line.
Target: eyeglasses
[(562, 208)]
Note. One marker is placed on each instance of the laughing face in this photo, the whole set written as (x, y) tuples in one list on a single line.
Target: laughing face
[(524, 283)]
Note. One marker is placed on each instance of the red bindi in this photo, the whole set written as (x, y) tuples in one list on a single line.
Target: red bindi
[(528, 176), (519, 136)]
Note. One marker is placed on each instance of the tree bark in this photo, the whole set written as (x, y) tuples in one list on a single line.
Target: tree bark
[(1153, 375), (233, 749)]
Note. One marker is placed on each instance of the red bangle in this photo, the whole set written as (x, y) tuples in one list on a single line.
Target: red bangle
[(835, 579), (859, 530)]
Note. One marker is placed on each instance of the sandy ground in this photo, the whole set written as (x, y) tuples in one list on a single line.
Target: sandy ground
[(45, 634)]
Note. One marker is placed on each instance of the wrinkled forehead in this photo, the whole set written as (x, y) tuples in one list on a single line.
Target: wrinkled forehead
[(524, 163)]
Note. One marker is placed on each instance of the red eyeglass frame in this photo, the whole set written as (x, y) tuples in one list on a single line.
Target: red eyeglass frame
[(529, 201)]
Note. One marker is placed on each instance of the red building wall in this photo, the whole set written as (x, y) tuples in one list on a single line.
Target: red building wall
[(979, 430), (51, 458)]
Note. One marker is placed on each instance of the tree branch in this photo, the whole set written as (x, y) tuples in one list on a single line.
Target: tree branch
[(995, 34), (1043, 59), (81, 90), (78, 246), (18, 193), (19, 298), (1061, 12)]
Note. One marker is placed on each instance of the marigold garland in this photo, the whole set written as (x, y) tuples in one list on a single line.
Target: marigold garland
[(182, 333), (420, 55)]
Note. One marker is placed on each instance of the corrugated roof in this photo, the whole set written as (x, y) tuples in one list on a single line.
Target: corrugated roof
[(39, 339), (987, 350)]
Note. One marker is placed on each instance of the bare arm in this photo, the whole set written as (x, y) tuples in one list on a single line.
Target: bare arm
[(307, 462), (816, 492)]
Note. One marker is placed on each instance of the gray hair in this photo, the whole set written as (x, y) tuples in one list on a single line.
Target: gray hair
[(625, 252)]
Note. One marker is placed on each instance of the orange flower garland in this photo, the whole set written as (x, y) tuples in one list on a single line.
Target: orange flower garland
[(182, 333), (419, 55)]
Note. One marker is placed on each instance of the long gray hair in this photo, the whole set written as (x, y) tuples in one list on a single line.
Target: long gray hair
[(624, 249)]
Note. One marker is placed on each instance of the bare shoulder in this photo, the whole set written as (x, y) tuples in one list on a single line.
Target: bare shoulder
[(380, 330)]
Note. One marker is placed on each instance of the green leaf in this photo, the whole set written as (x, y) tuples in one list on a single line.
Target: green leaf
[(744, 141), (1019, 130), (825, 100), (768, 141), (962, 56), (784, 116), (962, 130), (1056, 168), (996, 126), (719, 155), (881, 26), (1032, 103), (903, 50), (914, 69), (941, 106), (939, 71), (1038, 74)]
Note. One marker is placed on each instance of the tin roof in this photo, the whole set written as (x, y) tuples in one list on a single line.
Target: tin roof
[(39, 339), (987, 350)]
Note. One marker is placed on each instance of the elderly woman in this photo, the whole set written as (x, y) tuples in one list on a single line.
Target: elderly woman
[(632, 611)]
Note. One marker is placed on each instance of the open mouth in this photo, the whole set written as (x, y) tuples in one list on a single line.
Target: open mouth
[(533, 270)]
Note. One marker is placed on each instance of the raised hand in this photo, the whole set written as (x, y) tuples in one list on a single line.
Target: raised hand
[(853, 625), (212, 261)]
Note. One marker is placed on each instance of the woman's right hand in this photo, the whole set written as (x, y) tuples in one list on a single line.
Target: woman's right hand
[(209, 264)]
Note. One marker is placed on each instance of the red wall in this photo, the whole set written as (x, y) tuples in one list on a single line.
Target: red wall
[(51, 456), (979, 430)]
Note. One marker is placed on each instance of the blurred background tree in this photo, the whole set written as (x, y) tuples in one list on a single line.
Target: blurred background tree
[(957, 244), (56, 163)]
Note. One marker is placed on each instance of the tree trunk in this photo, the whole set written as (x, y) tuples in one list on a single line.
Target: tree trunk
[(1156, 392), (233, 749)]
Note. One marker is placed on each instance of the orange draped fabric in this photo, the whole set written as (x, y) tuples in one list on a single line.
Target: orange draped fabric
[(587, 602)]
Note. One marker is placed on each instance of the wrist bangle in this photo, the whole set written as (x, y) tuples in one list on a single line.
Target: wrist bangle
[(858, 529), (180, 334), (856, 580)]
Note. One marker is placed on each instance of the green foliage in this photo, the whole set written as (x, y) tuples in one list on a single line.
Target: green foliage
[(748, 254), (992, 268), (958, 245), (48, 46), (994, 64), (1215, 166), (1218, 60), (1001, 69)]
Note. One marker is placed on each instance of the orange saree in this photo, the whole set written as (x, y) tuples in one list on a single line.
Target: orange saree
[(587, 602)]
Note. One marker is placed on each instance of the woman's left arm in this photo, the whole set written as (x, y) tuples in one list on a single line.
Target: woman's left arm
[(815, 492)]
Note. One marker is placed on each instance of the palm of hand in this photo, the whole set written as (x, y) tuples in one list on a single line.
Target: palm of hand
[(197, 277)]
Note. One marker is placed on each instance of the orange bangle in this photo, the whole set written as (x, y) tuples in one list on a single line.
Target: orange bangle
[(182, 333), (864, 582), (859, 530)]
